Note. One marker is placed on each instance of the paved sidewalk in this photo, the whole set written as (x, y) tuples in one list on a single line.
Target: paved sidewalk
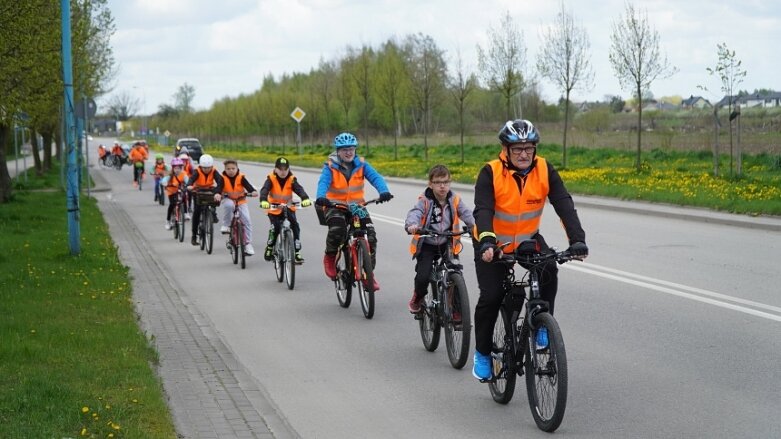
[(209, 393)]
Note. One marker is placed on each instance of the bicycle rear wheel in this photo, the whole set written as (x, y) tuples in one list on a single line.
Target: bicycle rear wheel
[(209, 231), (546, 375), (503, 385), (457, 333), (160, 194), (344, 278), (279, 257), (364, 264), (290, 260), (429, 321)]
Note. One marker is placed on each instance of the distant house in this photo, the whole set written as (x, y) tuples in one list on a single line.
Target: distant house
[(695, 102), (654, 105), (753, 100)]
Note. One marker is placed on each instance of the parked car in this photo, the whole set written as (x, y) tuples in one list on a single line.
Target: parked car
[(194, 148)]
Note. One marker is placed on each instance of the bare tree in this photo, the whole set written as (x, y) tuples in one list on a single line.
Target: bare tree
[(731, 74), (462, 84), (636, 59), (123, 106), (183, 98), (564, 60), (502, 65), (391, 80), (427, 72), (362, 75)]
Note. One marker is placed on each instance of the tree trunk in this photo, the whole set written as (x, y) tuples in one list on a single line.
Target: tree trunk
[(566, 125), (738, 152), (47, 150), (6, 190), (461, 126), (639, 126), (35, 150), (716, 129)]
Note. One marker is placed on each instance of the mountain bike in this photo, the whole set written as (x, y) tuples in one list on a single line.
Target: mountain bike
[(178, 225), (237, 237), (353, 260), (514, 350), (138, 173), (159, 190), (447, 304), (205, 199), (285, 247)]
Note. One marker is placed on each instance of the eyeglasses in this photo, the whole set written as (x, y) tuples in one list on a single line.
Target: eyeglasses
[(517, 150), (440, 183)]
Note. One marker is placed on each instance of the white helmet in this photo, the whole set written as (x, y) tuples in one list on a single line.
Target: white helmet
[(206, 161)]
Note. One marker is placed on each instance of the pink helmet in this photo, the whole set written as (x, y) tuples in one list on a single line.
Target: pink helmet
[(177, 162)]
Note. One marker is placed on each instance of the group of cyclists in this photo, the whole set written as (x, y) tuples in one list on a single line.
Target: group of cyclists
[(510, 194)]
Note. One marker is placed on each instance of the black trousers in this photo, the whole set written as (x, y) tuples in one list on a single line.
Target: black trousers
[(336, 220), (276, 224), (490, 279), (425, 258)]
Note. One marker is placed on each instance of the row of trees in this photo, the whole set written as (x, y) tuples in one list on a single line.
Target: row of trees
[(31, 87)]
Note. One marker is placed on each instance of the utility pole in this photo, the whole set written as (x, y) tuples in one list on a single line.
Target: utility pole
[(72, 185)]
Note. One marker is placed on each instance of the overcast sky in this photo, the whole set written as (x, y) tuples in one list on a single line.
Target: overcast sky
[(225, 47)]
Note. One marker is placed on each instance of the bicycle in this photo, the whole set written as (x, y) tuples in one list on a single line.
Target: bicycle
[(179, 219), (237, 236), (516, 353), (285, 247), (208, 213), (353, 260), (159, 190), (138, 173), (447, 300)]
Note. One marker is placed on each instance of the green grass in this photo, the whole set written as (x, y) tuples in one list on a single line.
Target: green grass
[(73, 362), (667, 175)]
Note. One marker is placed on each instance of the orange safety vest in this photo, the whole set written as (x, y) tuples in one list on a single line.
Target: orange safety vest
[(414, 246), (204, 181), (117, 150), (280, 194), (137, 155), (187, 167), (160, 169), (346, 191), (101, 151), (517, 214), (234, 192), (173, 184)]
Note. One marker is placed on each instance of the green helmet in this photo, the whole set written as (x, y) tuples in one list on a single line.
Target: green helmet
[(159, 156)]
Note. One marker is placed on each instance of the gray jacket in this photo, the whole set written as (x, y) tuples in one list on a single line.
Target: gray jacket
[(438, 219)]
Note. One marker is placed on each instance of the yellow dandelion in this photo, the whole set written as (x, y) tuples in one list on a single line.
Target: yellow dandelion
[(115, 426), (83, 431), (108, 407), (110, 435), (32, 331), (135, 401), (85, 409)]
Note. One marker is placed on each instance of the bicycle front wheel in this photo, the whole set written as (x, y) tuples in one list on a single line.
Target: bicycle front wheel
[(241, 247), (546, 375), (457, 321), (290, 260), (234, 245), (503, 385), (279, 257), (202, 227), (209, 231), (344, 278), (429, 321), (366, 283), (180, 223)]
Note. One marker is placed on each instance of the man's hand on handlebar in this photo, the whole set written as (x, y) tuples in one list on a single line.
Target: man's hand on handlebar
[(578, 250)]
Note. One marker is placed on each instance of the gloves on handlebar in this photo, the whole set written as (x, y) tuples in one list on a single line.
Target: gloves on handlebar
[(323, 201), (578, 249), (265, 205), (385, 196), (306, 203)]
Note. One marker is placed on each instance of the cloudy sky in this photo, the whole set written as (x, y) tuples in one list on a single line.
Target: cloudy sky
[(225, 47)]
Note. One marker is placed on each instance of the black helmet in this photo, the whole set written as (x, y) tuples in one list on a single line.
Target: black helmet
[(518, 131)]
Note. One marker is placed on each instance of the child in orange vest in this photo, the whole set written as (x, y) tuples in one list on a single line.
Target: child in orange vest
[(171, 183), (279, 188), (159, 171), (438, 209), (234, 188)]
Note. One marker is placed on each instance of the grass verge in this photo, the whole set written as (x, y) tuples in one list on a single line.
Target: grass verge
[(73, 362), (666, 176)]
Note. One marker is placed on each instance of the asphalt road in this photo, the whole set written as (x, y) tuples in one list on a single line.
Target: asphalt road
[(672, 328)]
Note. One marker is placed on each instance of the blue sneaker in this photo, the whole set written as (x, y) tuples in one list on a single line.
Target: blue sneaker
[(482, 367), (542, 338)]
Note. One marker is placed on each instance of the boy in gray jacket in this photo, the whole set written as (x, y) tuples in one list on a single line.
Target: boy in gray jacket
[(437, 209)]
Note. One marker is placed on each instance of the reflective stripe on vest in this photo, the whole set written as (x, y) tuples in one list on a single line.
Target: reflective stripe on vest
[(204, 181), (234, 192), (279, 194), (343, 190), (414, 246), (517, 214)]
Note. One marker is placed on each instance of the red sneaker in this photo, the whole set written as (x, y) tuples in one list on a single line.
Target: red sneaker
[(329, 263), (456, 316), (375, 285), (414, 303)]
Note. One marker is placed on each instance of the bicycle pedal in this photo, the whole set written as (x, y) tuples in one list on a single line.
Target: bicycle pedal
[(418, 316)]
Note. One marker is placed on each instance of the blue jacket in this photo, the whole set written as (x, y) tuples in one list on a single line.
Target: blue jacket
[(374, 177)]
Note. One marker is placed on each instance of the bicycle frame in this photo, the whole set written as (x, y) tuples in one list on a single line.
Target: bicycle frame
[(355, 232)]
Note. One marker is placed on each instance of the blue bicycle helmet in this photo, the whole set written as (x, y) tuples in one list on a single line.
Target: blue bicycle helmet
[(345, 140), (518, 131)]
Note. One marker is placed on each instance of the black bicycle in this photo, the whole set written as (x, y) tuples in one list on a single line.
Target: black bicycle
[(205, 199), (515, 350), (179, 205), (285, 247), (447, 304)]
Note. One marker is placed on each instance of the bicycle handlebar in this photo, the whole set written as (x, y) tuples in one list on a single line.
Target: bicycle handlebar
[(340, 205), (434, 233), (281, 205), (535, 259)]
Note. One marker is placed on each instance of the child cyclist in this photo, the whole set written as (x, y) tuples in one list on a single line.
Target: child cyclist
[(171, 182), (279, 188), (188, 169), (235, 188), (138, 156), (438, 209), (204, 178), (159, 171), (342, 180)]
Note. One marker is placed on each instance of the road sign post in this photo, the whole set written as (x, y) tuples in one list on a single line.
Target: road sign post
[(298, 115)]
